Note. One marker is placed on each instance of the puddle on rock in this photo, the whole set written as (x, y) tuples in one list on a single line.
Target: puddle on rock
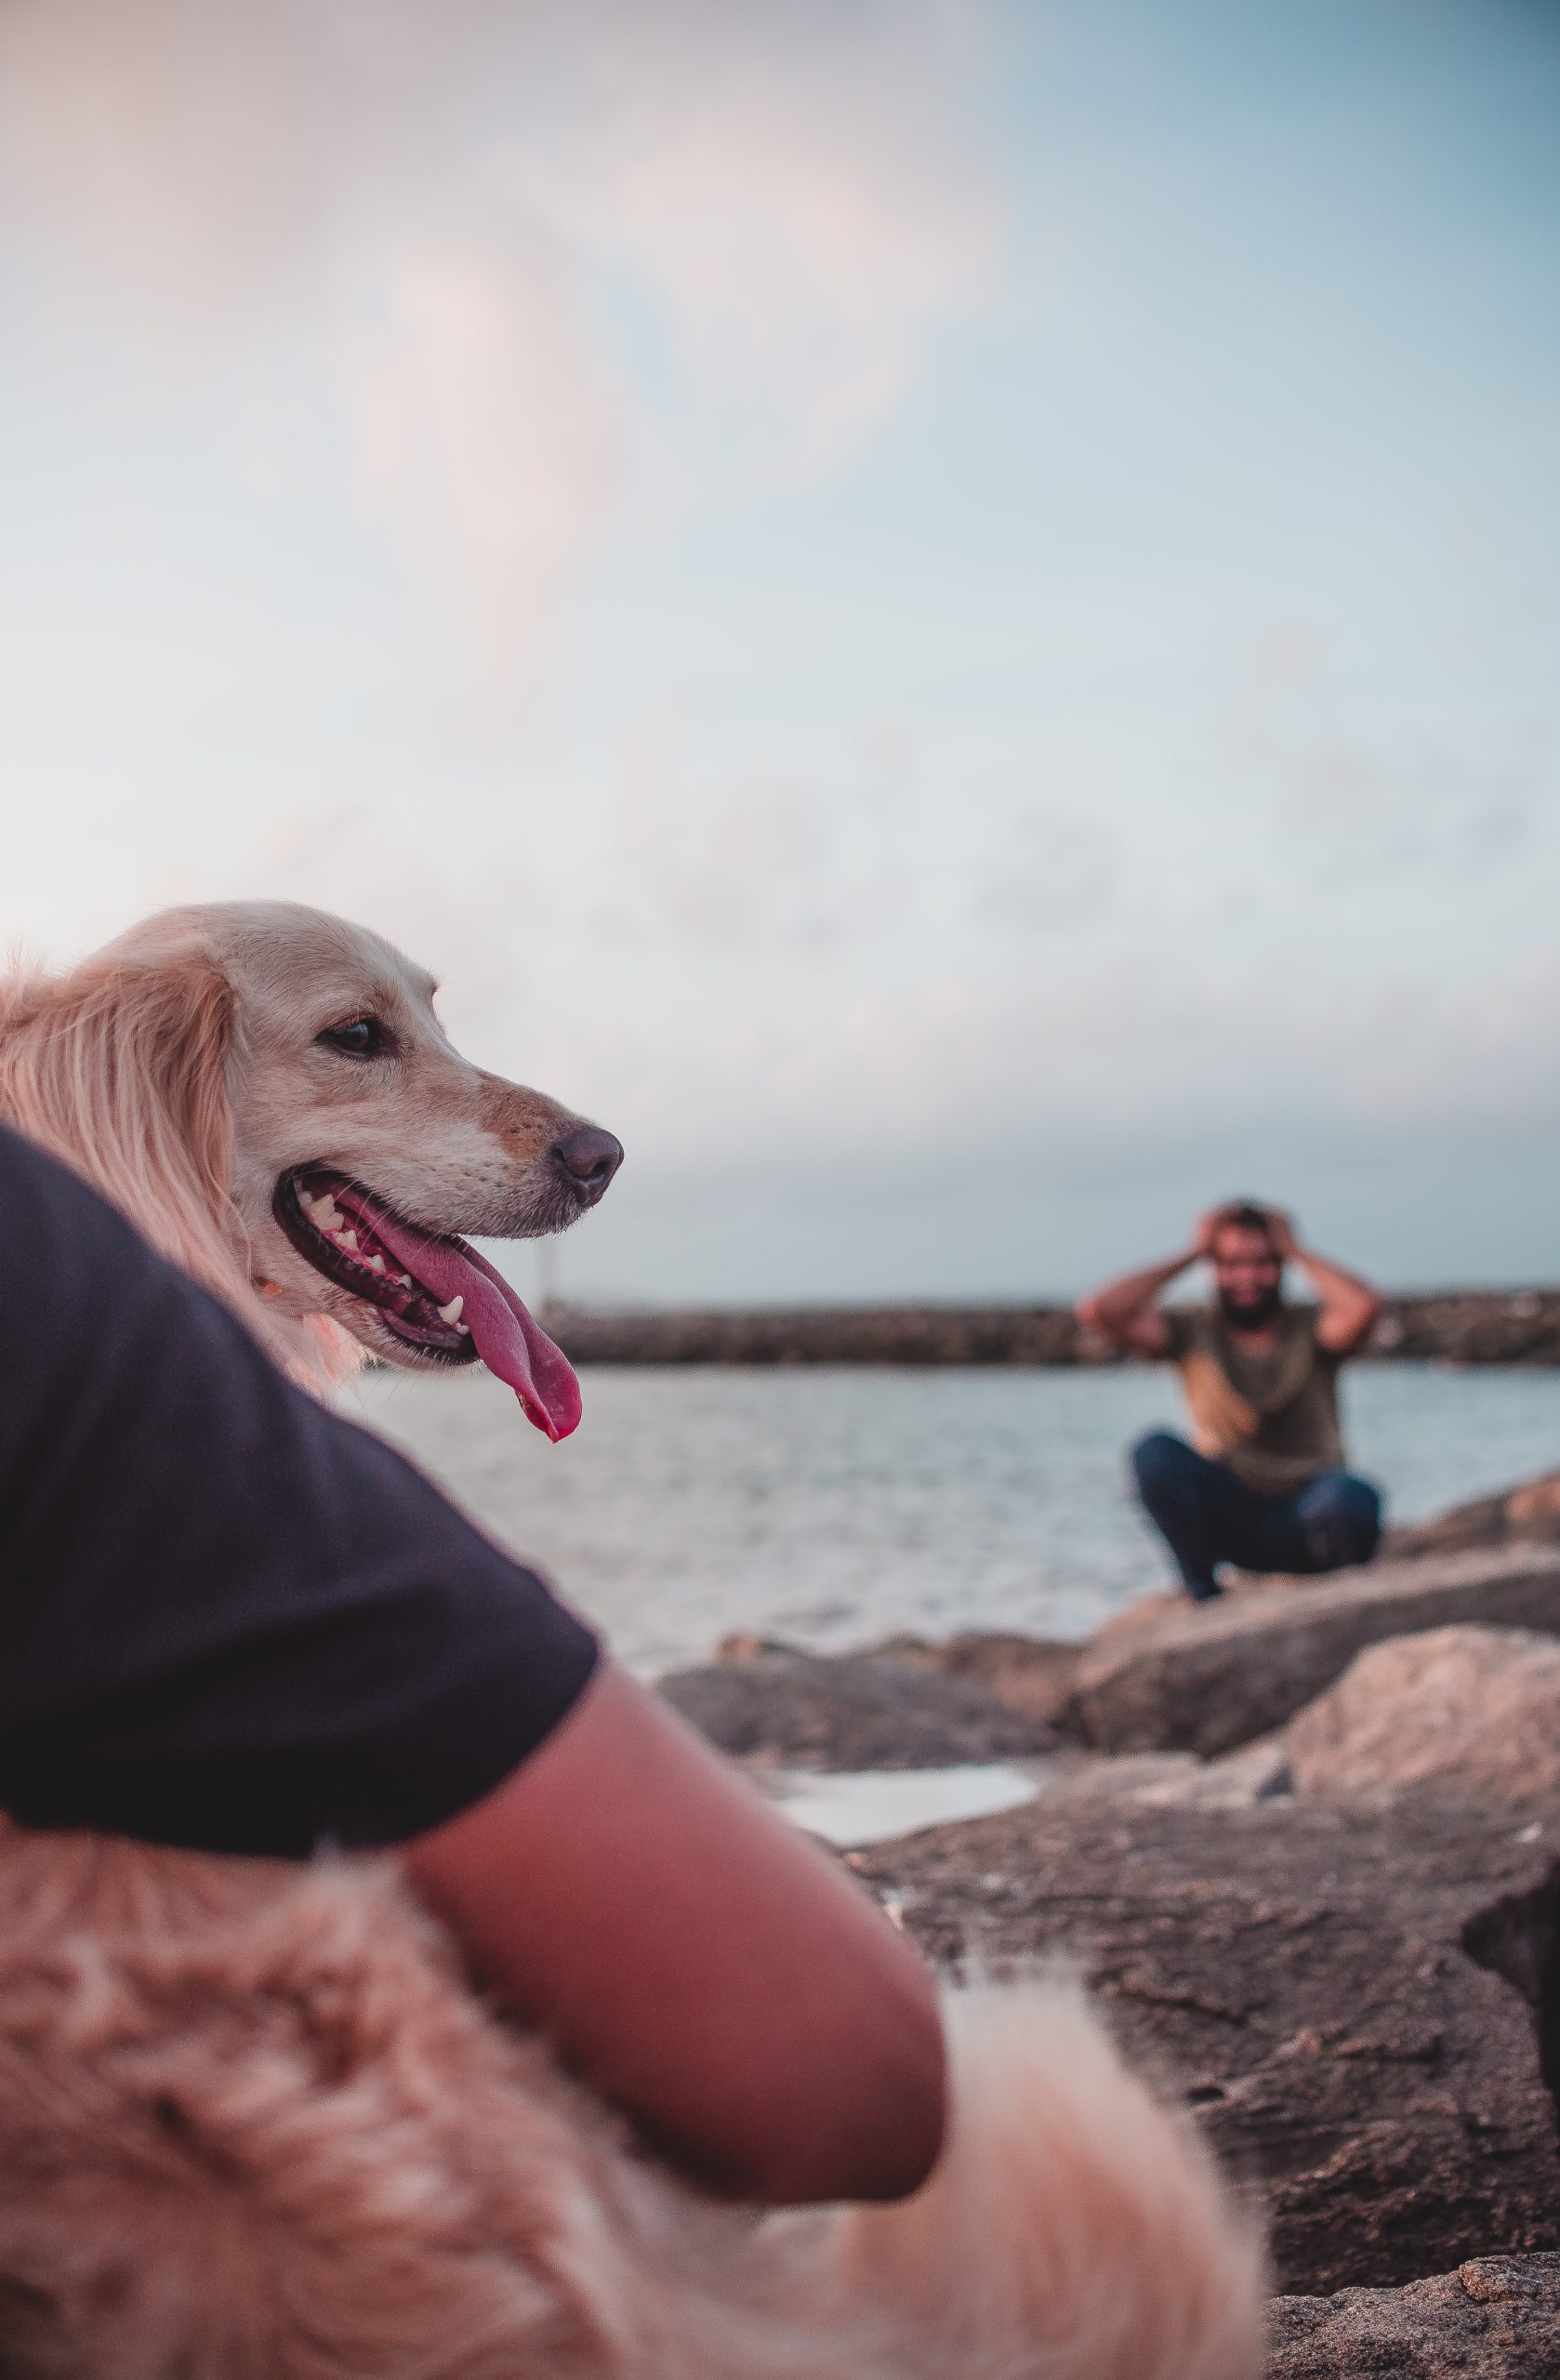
[(866, 1805)]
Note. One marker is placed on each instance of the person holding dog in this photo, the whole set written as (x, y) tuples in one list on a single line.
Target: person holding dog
[(231, 1622), (1266, 1485)]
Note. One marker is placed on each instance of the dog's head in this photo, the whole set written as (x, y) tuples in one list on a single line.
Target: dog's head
[(269, 1095)]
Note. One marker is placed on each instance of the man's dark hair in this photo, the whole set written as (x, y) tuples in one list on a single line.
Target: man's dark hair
[(1245, 1215)]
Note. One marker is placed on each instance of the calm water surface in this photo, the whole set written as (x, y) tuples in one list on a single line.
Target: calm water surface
[(834, 1505)]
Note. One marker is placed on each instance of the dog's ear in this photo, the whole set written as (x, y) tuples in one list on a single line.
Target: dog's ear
[(120, 1068)]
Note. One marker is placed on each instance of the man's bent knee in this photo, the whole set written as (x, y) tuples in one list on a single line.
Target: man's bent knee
[(1362, 1509), (1172, 1482), (1343, 1520), (1157, 1460)]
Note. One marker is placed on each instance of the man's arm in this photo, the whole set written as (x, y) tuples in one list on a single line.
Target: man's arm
[(233, 1621), (1124, 1311), (1350, 1306), (712, 1972)]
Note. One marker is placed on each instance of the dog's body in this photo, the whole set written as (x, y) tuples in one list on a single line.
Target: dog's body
[(254, 2127), (253, 2123)]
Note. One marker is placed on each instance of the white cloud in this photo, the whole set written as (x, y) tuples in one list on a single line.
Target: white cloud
[(797, 193), (1375, 798), (485, 422), (1362, 809), (191, 160), (800, 188), (1057, 872), (770, 858)]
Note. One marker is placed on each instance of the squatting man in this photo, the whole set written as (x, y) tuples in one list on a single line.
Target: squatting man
[(1267, 1485)]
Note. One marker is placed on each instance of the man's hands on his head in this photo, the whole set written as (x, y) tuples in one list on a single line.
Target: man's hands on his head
[(1125, 1312), (1280, 1229), (1349, 1305)]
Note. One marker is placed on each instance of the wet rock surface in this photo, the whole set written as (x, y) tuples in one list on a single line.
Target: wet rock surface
[(1207, 1677), (1475, 1711), (1305, 1845), (795, 1709), (1495, 2317), (1312, 1976)]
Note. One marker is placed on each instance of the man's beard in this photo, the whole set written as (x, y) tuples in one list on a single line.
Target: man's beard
[(1250, 1314)]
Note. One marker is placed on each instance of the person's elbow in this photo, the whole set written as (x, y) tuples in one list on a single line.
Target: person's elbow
[(1353, 1325), (875, 2129), (1095, 1317)]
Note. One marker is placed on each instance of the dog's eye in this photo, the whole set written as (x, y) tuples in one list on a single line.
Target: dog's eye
[(363, 1038)]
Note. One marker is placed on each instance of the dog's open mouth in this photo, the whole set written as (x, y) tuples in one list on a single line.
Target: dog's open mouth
[(434, 1292)]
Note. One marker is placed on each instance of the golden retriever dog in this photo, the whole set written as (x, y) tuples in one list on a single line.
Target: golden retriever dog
[(267, 1094), (254, 2122)]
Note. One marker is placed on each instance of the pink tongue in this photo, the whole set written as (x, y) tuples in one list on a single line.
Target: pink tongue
[(508, 1341)]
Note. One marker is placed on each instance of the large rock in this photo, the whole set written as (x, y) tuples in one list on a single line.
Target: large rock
[(1475, 1711), (810, 1711), (1034, 1675), (1495, 2317), (1525, 1515), (1206, 1678), (1344, 1994)]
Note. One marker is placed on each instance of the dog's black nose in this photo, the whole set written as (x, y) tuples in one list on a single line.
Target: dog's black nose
[(590, 1157)]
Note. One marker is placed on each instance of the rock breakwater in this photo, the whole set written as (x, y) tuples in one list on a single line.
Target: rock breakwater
[(1450, 1326)]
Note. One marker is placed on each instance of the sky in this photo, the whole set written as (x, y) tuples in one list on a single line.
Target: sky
[(943, 613)]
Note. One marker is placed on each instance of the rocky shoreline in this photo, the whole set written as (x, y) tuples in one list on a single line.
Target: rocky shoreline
[(1306, 1844), (1443, 1326)]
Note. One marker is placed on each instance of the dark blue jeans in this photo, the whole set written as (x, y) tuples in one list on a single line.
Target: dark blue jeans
[(1207, 1515)]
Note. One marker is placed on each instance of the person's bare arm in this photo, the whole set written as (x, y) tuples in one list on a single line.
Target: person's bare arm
[(1350, 1306), (1124, 1311), (696, 1959)]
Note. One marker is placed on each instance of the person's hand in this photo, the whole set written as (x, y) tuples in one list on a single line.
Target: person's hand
[(1281, 1231)]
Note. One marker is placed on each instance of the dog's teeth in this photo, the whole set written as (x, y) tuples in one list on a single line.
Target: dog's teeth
[(327, 1214), (464, 1328), (375, 1263), (404, 1279), (348, 1238), (451, 1313), (306, 1197)]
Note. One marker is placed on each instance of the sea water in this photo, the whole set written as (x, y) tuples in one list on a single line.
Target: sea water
[(832, 1506)]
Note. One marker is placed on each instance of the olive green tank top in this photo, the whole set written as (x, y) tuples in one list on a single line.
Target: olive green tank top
[(1271, 1414)]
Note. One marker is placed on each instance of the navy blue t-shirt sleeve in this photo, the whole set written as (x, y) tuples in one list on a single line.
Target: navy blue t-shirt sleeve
[(227, 1619)]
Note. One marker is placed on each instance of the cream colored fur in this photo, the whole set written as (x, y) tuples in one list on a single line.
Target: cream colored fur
[(254, 2126), (181, 1069)]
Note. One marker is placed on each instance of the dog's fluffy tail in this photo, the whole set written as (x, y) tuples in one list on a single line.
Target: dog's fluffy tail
[(1076, 2228)]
